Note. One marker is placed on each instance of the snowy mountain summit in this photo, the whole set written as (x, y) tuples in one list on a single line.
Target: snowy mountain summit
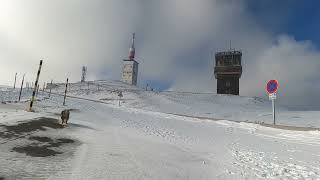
[(118, 131)]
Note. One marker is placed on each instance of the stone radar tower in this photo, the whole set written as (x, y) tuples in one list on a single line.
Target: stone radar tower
[(130, 66)]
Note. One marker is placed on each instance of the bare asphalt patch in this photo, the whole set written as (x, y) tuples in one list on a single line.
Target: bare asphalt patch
[(17, 130), (40, 146), (38, 139)]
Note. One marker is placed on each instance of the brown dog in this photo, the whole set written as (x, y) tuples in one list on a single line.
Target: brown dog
[(65, 116)]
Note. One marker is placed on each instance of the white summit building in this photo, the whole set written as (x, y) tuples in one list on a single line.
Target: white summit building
[(130, 67)]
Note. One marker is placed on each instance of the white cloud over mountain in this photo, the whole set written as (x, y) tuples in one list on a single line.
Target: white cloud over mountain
[(174, 40)]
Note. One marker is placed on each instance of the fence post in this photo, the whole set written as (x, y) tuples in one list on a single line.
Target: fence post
[(15, 80), (21, 87), (50, 88), (35, 87), (65, 93), (37, 90)]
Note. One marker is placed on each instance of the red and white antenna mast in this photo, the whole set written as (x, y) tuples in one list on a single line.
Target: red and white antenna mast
[(132, 51)]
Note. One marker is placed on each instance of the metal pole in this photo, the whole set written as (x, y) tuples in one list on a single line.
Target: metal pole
[(37, 90), (65, 93), (35, 86), (44, 86), (50, 88), (120, 95), (21, 87), (273, 111), (15, 80)]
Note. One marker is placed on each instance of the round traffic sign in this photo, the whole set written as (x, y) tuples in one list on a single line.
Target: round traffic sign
[(272, 86)]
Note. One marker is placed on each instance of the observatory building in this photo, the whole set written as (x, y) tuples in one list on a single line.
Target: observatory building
[(228, 71), (130, 67)]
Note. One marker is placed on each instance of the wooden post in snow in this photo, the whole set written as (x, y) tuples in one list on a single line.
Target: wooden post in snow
[(21, 88), (65, 93), (15, 80), (50, 88), (37, 90), (120, 96), (35, 86)]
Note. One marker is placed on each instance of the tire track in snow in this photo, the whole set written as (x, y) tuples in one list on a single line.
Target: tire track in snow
[(267, 165), (80, 155)]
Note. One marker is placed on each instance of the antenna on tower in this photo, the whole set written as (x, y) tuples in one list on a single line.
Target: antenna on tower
[(133, 38), (132, 51), (212, 61), (84, 74)]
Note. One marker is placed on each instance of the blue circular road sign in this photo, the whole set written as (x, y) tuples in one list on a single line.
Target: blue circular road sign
[(272, 86)]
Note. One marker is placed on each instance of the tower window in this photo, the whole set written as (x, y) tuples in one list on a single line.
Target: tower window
[(235, 61), (227, 62), (227, 83)]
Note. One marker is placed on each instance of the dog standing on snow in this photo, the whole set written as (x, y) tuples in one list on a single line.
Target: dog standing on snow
[(65, 117)]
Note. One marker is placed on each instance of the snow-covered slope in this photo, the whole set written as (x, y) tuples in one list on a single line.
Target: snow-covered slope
[(204, 105), (227, 107), (151, 136)]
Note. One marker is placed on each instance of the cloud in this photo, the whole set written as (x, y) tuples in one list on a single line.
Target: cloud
[(174, 41), (66, 35), (295, 64)]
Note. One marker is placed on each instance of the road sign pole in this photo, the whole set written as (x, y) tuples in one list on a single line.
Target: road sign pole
[(274, 111), (120, 96), (272, 87)]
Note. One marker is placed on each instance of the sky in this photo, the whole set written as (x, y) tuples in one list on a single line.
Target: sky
[(175, 40)]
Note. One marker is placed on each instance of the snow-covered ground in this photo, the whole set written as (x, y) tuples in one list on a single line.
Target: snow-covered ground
[(153, 135), (237, 108)]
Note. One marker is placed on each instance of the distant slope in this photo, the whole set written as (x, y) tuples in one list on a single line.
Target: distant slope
[(227, 107), (196, 104)]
